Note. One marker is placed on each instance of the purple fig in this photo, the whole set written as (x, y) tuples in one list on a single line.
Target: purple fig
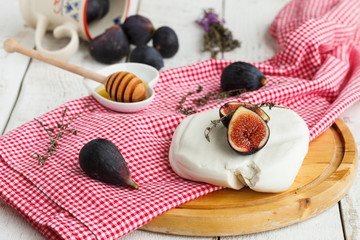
[(111, 46), (100, 159)]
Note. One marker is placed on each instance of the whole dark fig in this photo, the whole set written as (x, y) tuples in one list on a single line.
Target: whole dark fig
[(147, 55), (100, 159), (111, 46), (166, 42), (139, 29), (227, 110), (96, 9), (241, 75), (247, 131)]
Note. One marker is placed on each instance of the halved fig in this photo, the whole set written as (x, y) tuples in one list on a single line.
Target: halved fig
[(230, 107), (247, 131)]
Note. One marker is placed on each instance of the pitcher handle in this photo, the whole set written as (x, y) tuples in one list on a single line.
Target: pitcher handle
[(62, 31)]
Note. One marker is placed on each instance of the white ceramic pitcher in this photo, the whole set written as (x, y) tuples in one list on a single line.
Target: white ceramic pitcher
[(67, 19)]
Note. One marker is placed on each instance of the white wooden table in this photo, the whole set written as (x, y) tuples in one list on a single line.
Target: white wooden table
[(29, 88)]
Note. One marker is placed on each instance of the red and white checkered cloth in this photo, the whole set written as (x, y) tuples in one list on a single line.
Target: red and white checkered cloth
[(316, 73)]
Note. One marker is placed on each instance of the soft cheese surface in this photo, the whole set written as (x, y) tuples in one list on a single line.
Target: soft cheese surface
[(272, 169)]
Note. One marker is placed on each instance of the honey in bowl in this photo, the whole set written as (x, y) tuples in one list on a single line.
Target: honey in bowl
[(123, 87), (102, 92)]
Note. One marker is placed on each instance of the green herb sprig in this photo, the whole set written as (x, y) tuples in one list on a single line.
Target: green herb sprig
[(270, 105), (214, 124), (63, 129)]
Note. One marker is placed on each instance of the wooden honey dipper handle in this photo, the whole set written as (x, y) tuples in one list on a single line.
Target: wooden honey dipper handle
[(11, 45)]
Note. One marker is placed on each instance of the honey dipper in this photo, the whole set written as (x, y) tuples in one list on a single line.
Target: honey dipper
[(121, 86)]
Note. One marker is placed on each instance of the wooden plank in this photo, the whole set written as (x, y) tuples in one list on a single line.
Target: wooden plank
[(249, 21), (312, 228), (139, 234), (46, 87), (14, 226), (13, 67), (350, 204)]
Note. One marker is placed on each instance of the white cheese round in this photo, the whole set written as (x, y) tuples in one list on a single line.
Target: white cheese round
[(272, 169)]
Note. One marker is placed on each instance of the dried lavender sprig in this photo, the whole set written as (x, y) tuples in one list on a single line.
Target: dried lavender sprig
[(217, 38), (209, 17)]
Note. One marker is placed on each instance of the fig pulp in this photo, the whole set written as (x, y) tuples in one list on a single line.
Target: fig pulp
[(166, 42), (227, 110), (96, 9), (247, 131), (241, 75), (139, 29), (111, 46), (100, 159), (147, 55)]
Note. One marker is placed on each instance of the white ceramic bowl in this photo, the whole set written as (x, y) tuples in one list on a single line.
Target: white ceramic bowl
[(144, 72)]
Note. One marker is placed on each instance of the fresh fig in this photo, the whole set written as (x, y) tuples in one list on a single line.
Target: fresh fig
[(227, 110), (166, 41), (139, 29), (147, 55), (96, 9), (111, 46), (247, 131), (241, 75), (100, 159)]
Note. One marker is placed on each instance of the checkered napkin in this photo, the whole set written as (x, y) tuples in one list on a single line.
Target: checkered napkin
[(316, 73)]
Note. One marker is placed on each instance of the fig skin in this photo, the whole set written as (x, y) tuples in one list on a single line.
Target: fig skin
[(111, 46), (166, 41), (147, 55), (247, 131), (100, 159), (241, 75), (226, 109), (139, 29), (96, 9)]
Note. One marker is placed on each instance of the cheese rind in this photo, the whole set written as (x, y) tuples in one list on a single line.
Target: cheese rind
[(272, 169)]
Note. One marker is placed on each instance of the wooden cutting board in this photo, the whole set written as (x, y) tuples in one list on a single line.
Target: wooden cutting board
[(326, 175)]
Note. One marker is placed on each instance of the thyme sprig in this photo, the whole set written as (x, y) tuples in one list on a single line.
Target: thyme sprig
[(203, 100), (63, 129), (188, 110), (214, 123), (270, 105)]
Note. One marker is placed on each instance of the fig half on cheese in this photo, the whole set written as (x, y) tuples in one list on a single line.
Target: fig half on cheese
[(247, 131), (227, 110)]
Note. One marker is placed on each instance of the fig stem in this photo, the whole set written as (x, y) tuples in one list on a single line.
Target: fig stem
[(133, 184), (263, 81)]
